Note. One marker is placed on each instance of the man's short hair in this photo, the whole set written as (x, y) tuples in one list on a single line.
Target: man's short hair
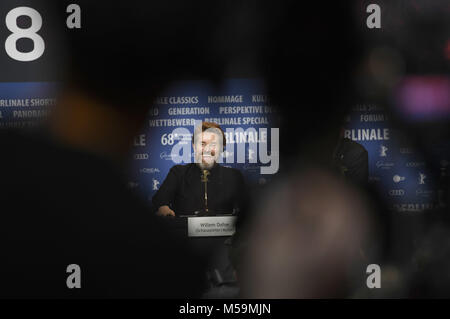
[(210, 126)]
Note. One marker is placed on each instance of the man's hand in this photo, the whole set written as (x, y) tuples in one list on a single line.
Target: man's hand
[(165, 211)]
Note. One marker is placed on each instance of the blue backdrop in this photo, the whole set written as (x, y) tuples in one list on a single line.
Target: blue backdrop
[(239, 106), (242, 109)]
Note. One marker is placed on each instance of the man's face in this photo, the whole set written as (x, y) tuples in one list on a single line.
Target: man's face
[(207, 149)]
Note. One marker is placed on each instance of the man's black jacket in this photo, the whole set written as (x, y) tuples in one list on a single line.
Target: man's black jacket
[(183, 191)]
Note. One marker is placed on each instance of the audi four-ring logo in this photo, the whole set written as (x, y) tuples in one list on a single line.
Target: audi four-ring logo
[(396, 192), (141, 156)]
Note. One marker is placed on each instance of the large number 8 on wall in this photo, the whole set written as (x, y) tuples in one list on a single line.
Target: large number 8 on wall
[(19, 33)]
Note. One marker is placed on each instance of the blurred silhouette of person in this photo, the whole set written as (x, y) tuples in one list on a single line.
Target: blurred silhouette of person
[(313, 233), (184, 187), (311, 247), (63, 194)]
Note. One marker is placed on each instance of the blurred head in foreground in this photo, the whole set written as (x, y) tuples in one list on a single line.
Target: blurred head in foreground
[(311, 230), (309, 240)]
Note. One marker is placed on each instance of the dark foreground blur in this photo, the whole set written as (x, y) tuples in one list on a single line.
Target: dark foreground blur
[(309, 234)]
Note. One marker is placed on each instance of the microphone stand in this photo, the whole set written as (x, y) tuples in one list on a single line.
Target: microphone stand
[(204, 179)]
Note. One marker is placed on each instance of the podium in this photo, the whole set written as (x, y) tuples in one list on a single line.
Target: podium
[(204, 233), (209, 236)]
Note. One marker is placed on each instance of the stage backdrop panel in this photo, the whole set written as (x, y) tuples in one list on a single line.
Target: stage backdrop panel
[(26, 104), (241, 107), (397, 169)]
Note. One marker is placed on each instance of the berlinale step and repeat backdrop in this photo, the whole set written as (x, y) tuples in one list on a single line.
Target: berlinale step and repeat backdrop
[(240, 106), (250, 123)]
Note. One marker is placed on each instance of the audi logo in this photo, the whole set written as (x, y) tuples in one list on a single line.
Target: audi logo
[(141, 156), (396, 192), (415, 164)]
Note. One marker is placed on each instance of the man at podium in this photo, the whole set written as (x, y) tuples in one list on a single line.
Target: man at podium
[(203, 188)]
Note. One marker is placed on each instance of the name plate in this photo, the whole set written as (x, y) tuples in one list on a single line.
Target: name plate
[(211, 226)]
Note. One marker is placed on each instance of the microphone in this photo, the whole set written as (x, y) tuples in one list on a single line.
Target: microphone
[(204, 179)]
